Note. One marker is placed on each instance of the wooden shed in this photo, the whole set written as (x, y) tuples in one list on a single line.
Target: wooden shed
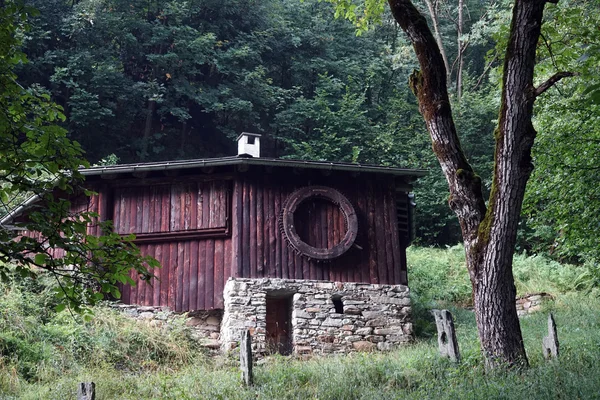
[(247, 217)]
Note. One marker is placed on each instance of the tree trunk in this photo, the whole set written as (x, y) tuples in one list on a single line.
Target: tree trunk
[(489, 233), (438, 37), (147, 129), (461, 50)]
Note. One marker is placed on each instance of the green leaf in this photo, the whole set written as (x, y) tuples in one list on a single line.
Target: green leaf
[(40, 259)]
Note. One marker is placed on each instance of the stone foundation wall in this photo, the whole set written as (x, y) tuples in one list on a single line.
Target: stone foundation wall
[(204, 325), (531, 303), (373, 317)]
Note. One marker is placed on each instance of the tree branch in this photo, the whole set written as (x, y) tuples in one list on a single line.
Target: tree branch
[(551, 81)]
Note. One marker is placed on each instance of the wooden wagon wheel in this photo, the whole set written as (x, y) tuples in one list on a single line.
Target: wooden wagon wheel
[(289, 230)]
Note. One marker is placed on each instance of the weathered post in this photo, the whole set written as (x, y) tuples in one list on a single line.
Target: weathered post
[(246, 358), (447, 342), (550, 342), (86, 391)]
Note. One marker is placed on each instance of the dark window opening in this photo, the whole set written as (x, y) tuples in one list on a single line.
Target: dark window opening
[(279, 324), (337, 303), (251, 139)]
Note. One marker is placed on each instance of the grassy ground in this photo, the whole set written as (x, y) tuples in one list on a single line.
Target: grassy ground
[(45, 355)]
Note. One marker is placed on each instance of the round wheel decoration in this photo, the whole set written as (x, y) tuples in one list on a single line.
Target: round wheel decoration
[(292, 204)]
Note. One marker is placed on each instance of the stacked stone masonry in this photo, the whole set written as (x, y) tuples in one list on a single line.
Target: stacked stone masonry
[(204, 326), (372, 317), (531, 303)]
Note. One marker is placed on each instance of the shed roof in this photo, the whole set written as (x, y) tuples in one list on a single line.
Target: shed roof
[(240, 160)]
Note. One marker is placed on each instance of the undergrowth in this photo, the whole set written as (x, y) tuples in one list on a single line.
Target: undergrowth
[(440, 275), (44, 355), (40, 345)]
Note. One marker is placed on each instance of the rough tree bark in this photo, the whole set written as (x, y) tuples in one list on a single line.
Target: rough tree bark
[(489, 232)]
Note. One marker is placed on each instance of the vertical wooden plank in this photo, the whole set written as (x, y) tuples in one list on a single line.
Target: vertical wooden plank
[(314, 236), (303, 268), (193, 217), (124, 216), (362, 238), (220, 209), (380, 234), (219, 274), (165, 212), (200, 205), (323, 211), (175, 207), (172, 271), (193, 278), (284, 246), (143, 211), (179, 277), (149, 292), (185, 287), (134, 289), (141, 284), (246, 231), (148, 211), (210, 277), (206, 205), (294, 271), (133, 206), (253, 228), (329, 239), (164, 274), (126, 293), (260, 230), (277, 233), (268, 230), (389, 254), (116, 217), (201, 274), (373, 272), (397, 247), (228, 269), (182, 200), (156, 271), (157, 204), (355, 272), (211, 205), (187, 205), (236, 234), (335, 266)]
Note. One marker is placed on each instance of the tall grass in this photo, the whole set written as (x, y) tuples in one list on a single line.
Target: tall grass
[(44, 355), (39, 345), (415, 372)]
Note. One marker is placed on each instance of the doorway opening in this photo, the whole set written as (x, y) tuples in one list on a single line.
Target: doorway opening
[(279, 324)]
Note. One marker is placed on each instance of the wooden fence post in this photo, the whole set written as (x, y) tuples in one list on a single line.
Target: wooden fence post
[(447, 342), (246, 358), (550, 342), (86, 391)]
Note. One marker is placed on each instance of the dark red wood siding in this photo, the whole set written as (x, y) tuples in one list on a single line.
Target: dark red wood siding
[(204, 229), (260, 249), (193, 269)]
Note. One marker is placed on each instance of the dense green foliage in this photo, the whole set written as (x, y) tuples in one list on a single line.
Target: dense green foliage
[(45, 354), (141, 80), (38, 161), (563, 199)]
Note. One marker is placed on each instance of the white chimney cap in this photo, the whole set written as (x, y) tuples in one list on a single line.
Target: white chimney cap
[(249, 144)]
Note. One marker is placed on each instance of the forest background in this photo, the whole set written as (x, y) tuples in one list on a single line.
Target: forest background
[(156, 80)]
